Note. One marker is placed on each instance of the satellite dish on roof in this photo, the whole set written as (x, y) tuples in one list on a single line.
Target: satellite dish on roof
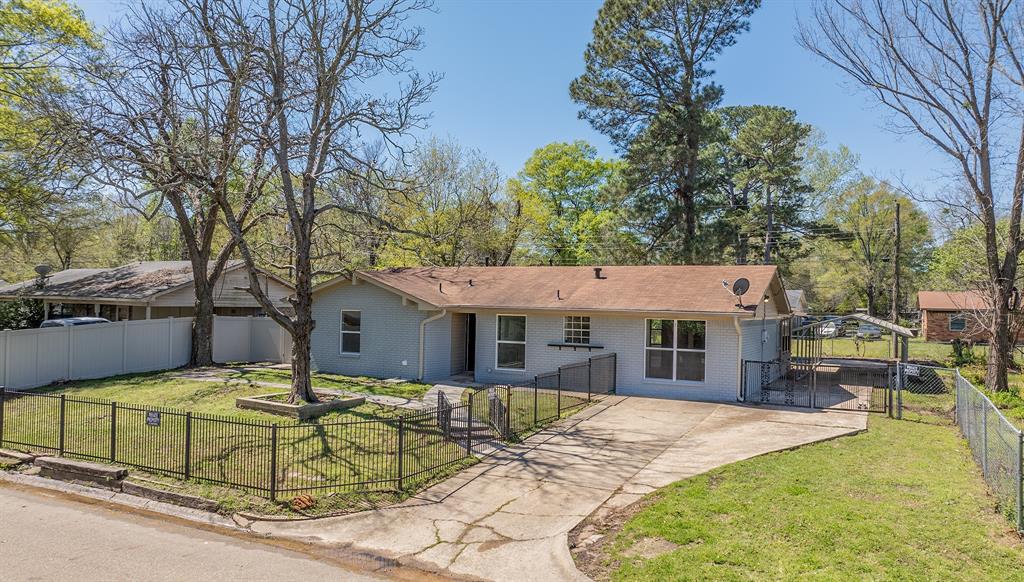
[(43, 270), (740, 286)]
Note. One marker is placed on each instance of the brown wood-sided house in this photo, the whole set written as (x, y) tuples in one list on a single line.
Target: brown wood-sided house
[(949, 315)]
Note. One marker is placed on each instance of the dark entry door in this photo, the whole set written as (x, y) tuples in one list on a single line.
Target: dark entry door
[(470, 342)]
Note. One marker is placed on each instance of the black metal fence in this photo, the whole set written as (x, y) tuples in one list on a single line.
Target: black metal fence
[(374, 454), (595, 375), (379, 453), (833, 384)]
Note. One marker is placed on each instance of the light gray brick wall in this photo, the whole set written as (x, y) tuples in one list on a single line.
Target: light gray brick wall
[(390, 335), (623, 335)]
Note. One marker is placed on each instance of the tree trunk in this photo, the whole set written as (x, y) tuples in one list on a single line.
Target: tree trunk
[(202, 323), (1000, 353), (302, 321), (202, 331), (871, 299), (302, 386)]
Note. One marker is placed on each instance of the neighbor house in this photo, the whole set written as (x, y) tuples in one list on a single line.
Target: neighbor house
[(946, 315), (143, 290), (677, 331), (797, 302)]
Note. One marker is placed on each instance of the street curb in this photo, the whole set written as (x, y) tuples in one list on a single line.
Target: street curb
[(124, 500)]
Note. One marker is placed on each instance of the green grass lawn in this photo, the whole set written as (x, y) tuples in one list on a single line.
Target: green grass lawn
[(902, 501), (848, 347), (335, 381), (354, 449), (166, 389)]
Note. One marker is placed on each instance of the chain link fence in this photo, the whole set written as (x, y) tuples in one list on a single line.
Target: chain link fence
[(997, 446), (996, 443)]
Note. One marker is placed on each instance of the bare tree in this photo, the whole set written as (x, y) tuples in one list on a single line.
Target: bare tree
[(162, 124), (952, 73), (322, 64)]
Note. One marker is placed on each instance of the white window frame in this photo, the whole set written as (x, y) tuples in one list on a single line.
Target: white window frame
[(675, 348), (498, 341), (578, 330), (957, 315), (341, 335)]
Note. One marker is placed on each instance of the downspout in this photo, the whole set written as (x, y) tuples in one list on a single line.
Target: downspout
[(739, 358), (423, 335)]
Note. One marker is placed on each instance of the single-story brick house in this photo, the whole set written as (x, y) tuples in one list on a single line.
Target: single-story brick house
[(677, 331), (947, 315), (144, 290)]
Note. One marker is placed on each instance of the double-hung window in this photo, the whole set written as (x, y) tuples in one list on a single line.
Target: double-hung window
[(675, 349), (351, 331), (957, 322), (511, 342), (577, 330)]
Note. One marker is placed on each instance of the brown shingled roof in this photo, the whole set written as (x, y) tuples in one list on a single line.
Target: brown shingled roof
[(951, 300), (134, 281), (684, 289)]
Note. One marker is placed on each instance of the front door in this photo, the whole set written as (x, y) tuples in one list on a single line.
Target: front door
[(470, 342)]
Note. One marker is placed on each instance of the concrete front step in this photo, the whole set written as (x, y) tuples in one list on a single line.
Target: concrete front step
[(62, 469)]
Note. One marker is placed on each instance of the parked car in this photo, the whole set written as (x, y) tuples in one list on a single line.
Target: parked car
[(869, 331), (72, 321), (829, 329)]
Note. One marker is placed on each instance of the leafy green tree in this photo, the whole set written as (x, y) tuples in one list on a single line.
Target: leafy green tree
[(851, 263), (757, 166), (576, 217), (648, 86), (36, 37)]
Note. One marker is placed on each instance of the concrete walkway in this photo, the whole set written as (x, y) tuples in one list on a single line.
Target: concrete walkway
[(507, 518)]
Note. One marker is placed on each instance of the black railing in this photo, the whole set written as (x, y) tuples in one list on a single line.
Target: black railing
[(512, 411), (376, 454), (379, 453), (835, 384)]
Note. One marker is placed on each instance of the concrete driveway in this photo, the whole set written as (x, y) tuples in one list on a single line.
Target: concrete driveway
[(508, 517)]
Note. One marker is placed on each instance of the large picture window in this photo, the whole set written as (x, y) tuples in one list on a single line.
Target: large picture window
[(511, 346), (675, 349), (577, 330), (351, 331)]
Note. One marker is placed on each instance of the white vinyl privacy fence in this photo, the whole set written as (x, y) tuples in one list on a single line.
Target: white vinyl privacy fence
[(37, 357)]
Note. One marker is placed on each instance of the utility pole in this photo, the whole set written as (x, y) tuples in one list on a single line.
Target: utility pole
[(896, 285)]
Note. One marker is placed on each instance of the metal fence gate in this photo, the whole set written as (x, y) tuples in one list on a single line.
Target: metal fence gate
[(831, 383)]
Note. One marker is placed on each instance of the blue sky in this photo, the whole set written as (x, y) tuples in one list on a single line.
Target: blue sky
[(508, 63)]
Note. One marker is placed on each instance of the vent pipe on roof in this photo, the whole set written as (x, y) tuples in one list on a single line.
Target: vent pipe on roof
[(597, 273), (470, 282), (558, 294), (487, 261)]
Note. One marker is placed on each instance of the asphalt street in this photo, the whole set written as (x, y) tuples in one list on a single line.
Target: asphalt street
[(51, 536)]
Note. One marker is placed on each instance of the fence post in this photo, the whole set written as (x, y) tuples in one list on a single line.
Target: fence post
[(273, 462), (508, 412), (984, 440), (901, 374), (469, 424), (590, 376), (3, 398), (1020, 481), (63, 402), (188, 444), (401, 450), (536, 387), (558, 395), (113, 431)]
